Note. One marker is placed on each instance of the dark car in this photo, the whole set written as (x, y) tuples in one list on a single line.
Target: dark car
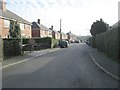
[(63, 43)]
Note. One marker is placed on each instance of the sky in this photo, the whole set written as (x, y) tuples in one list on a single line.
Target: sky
[(77, 15)]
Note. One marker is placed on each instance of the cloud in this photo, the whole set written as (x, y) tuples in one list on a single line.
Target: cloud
[(77, 15)]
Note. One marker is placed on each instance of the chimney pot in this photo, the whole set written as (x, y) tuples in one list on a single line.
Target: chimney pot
[(38, 21)]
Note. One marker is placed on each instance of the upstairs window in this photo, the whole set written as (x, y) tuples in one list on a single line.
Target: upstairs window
[(22, 27), (6, 23), (28, 26)]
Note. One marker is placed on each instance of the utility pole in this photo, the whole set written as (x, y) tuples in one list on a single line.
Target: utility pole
[(60, 30)]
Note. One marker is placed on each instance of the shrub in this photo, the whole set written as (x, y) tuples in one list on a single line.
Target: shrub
[(11, 47), (42, 43), (92, 42), (100, 39)]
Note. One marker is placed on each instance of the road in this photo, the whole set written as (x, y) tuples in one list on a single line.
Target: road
[(65, 68)]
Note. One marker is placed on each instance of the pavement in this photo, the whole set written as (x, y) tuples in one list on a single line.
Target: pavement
[(106, 64), (103, 62), (25, 57)]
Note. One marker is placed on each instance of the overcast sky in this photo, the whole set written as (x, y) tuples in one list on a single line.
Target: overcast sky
[(77, 15)]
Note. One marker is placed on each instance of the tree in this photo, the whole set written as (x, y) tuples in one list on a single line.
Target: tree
[(98, 27), (17, 30), (14, 29)]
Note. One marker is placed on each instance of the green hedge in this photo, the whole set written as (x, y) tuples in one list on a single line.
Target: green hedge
[(43, 43), (92, 42), (11, 47), (111, 43), (100, 40), (107, 42)]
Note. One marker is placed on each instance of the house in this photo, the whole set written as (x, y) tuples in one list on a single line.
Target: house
[(71, 37), (39, 30), (55, 34), (6, 16), (63, 35)]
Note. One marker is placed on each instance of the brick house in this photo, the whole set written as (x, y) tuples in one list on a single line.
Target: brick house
[(39, 30), (71, 36), (64, 36), (6, 16), (55, 34)]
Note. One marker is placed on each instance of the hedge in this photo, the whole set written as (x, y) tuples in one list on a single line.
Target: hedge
[(100, 40), (11, 47), (111, 43), (107, 43), (44, 43), (92, 42)]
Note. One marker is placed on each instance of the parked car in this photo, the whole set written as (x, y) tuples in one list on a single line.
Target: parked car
[(63, 44), (77, 41)]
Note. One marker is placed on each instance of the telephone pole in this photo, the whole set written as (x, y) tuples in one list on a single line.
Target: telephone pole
[(60, 30)]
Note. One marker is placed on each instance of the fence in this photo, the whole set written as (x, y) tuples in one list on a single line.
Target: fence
[(107, 43)]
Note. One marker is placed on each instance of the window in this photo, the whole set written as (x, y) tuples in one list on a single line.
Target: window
[(28, 26), (22, 26), (6, 23)]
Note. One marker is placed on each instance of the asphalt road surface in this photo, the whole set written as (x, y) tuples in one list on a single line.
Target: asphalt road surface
[(65, 68)]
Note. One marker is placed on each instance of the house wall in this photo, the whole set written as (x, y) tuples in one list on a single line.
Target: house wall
[(64, 36), (4, 32), (57, 35), (50, 34), (35, 32), (42, 33), (1, 26), (53, 34), (27, 30)]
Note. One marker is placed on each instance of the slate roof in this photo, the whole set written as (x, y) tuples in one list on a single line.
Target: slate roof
[(71, 34), (36, 25), (62, 33), (10, 15)]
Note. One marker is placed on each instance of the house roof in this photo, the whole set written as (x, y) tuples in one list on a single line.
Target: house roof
[(62, 33), (71, 34), (10, 15), (36, 25), (55, 31), (116, 24)]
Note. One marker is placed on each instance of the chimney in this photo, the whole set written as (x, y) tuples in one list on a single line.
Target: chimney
[(52, 27), (3, 5), (38, 21)]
